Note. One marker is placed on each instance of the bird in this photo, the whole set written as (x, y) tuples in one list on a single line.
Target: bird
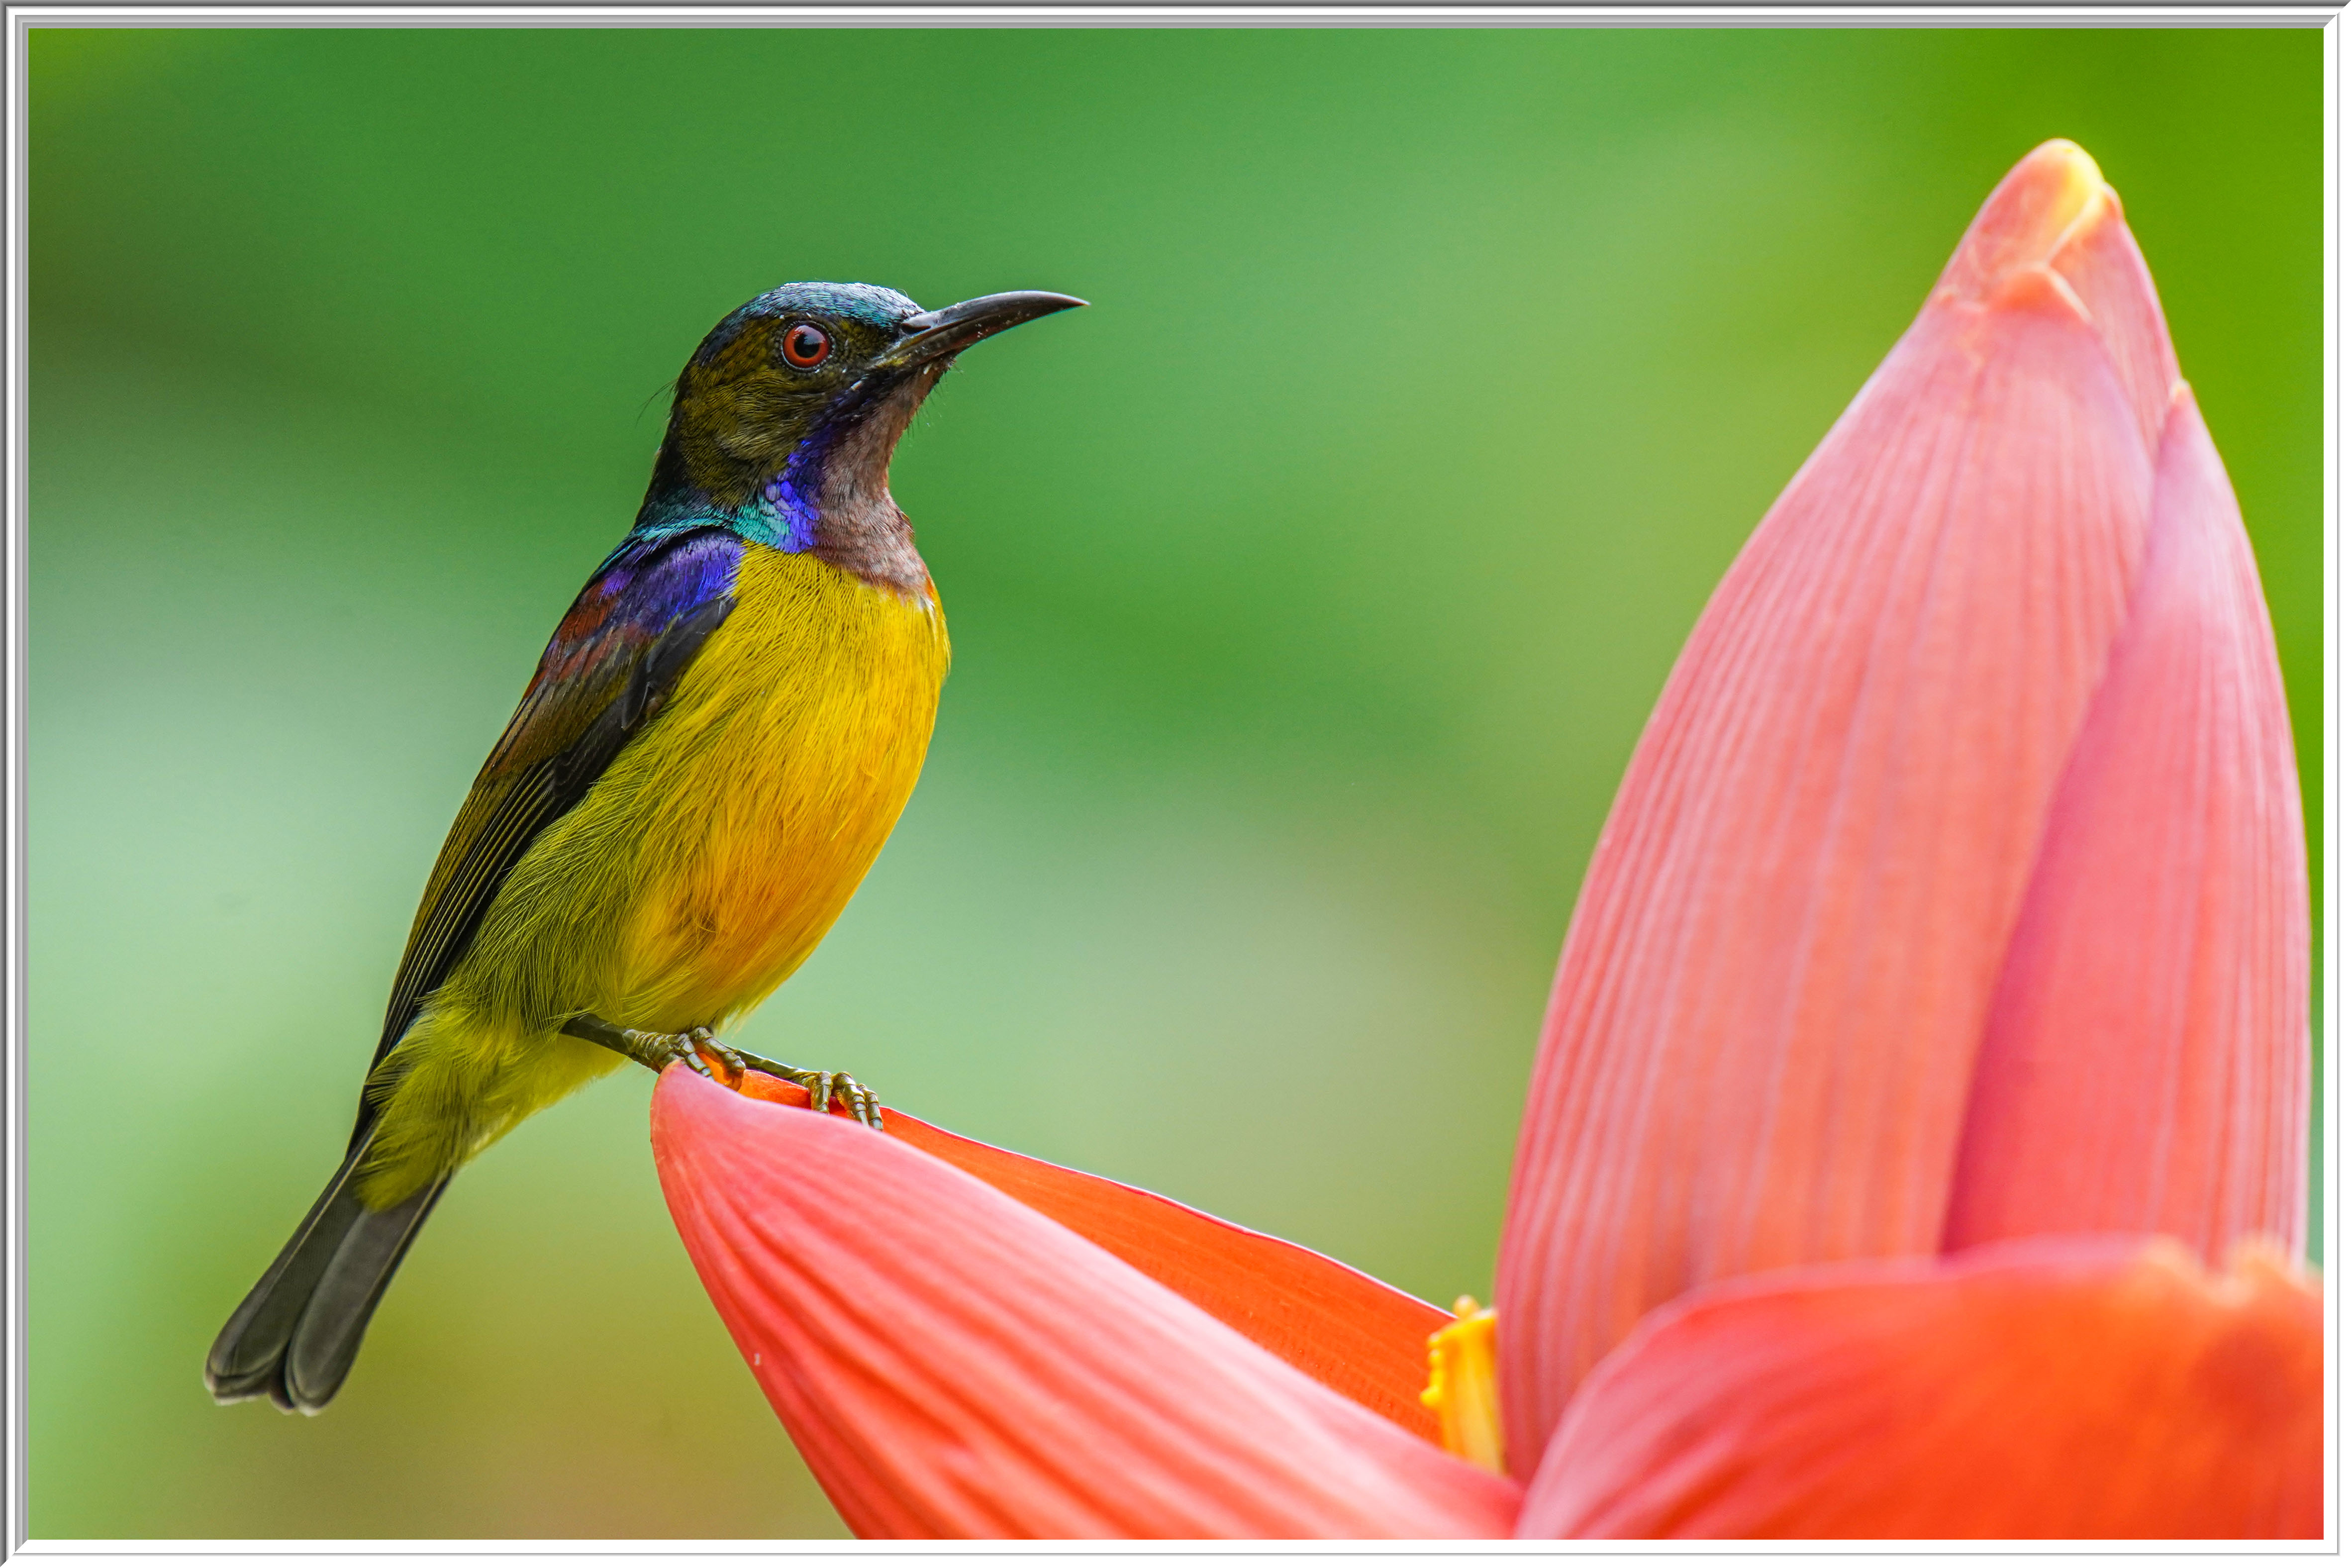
[(720, 735)]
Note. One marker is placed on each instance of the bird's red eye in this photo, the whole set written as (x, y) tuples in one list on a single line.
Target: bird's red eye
[(806, 346)]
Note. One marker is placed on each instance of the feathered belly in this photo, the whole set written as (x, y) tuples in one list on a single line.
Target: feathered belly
[(721, 845)]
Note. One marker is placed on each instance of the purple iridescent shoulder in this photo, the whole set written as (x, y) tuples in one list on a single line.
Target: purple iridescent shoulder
[(641, 589)]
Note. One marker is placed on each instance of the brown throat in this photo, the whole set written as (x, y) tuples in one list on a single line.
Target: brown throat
[(859, 527)]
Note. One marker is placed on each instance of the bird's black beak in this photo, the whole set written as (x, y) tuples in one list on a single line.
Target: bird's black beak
[(935, 335)]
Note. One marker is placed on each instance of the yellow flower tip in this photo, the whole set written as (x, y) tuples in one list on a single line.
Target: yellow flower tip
[(2074, 175), (2063, 195), (2054, 199), (1461, 1391)]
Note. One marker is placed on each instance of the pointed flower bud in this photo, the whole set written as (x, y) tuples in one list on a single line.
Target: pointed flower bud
[(1967, 802)]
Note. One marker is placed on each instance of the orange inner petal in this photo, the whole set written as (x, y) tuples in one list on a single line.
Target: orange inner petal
[(2086, 1388), (1345, 1329)]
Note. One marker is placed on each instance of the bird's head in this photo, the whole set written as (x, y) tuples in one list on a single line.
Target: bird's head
[(792, 405)]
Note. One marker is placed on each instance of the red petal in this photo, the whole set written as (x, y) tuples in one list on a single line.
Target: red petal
[(2147, 1066), (2086, 1388), (1764, 1031), (1345, 1329), (952, 1364)]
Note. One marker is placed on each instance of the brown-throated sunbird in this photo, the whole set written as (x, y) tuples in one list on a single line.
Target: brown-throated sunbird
[(718, 738)]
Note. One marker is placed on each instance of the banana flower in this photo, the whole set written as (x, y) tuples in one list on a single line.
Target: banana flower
[(1916, 1143)]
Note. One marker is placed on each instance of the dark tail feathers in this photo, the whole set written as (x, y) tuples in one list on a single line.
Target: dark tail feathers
[(294, 1337)]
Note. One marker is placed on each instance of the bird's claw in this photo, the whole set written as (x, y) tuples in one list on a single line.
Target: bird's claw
[(697, 1048), (701, 1044), (824, 1087), (694, 1049)]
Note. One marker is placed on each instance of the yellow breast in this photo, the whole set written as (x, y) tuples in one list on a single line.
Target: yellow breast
[(768, 782), (721, 843), (696, 874)]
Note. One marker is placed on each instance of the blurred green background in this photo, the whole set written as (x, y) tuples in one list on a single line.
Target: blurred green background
[(1308, 593)]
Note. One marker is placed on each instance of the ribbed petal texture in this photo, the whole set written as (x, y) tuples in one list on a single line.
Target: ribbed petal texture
[(952, 1364), (1345, 1330), (2146, 1064), (2099, 1389), (1764, 1032), (1341, 1327)]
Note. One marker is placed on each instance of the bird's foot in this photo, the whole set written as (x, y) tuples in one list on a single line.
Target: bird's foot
[(696, 1049), (824, 1087)]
